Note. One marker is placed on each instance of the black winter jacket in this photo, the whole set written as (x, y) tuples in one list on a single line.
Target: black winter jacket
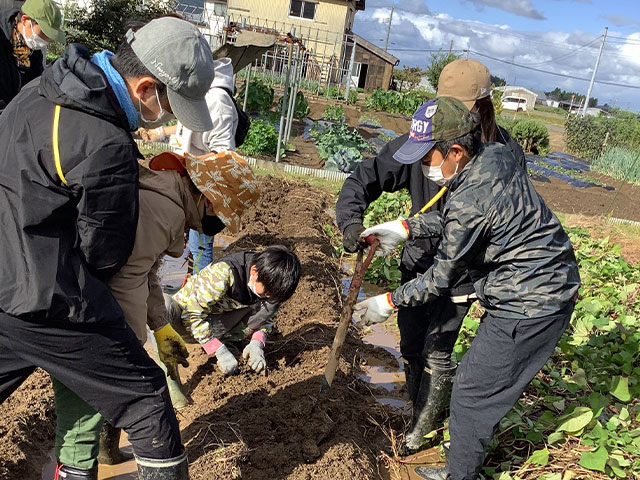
[(496, 227), (263, 310), (58, 241), (384, 174), (11, 77)]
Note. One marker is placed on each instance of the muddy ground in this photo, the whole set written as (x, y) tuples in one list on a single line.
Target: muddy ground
[(277, 426), (259, 427)]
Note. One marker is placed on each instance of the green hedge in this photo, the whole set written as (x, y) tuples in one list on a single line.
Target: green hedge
[(533, 136), (586, 136)]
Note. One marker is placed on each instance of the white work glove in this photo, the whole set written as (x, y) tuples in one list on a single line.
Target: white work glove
[(373, 310), (255, 354), (389, 234), (227, 363)]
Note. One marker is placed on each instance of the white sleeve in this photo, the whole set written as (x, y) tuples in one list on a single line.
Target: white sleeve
[(225, 120)]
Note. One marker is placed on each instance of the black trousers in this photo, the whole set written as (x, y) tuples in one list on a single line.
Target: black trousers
[(105, 365), (429, 332), (504, 357)]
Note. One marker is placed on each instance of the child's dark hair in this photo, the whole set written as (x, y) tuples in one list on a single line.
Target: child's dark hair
[(279, 272)]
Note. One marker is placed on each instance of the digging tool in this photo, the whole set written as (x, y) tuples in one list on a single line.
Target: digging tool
[(347, 312), (352, 296)]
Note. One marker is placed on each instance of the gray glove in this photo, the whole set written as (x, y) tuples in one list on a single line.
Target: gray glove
[(227, 363), (254, 352)]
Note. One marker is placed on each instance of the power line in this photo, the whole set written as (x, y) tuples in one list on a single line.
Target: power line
[(625, 39), (602, 82), (553, 60)]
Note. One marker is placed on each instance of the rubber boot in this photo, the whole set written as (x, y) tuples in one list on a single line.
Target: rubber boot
[(67, 472), (413, 373), (178, 398), (433, 473), (430, 404), (176, 468), (110, 453)]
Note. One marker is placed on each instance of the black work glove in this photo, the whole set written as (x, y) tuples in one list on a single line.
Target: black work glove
[(351, 240)]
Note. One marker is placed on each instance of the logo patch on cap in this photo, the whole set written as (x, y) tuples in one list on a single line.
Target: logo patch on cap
[(430, 111)]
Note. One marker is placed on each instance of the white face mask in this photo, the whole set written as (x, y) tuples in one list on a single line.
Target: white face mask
[(435, 173), (34, 42), (252, 286), (163, 117)]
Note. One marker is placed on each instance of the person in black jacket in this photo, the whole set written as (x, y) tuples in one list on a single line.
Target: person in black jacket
[(24, 33), (496, 228), (426, 350), (69, 208)]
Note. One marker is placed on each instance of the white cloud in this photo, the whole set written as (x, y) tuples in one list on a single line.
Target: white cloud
[(556, 51)]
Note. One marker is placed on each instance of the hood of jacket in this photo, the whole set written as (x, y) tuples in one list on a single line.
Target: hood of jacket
[(74, 82), (6, 22), (223, 74)]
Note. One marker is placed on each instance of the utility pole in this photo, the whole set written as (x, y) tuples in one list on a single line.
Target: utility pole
[(386, 42), (595, 70), (450, 47)]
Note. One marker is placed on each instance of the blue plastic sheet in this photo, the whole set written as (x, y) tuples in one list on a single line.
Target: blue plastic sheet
[(543, 173)]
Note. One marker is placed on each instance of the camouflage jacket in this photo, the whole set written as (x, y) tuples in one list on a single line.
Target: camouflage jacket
[(384, 174), (218, 289), (496, 227)]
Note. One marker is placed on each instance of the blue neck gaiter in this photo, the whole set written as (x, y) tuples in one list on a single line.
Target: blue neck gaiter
[(101, 59)]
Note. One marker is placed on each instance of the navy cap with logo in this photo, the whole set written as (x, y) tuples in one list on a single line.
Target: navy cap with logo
[(440, 119)]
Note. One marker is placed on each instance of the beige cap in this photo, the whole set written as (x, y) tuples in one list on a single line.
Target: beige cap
[(465, 79)]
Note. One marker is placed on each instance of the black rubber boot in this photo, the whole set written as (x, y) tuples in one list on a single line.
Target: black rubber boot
[(413, 373), (433, 473), (176, 468), (110, 453), (431, 403), (67, 472)]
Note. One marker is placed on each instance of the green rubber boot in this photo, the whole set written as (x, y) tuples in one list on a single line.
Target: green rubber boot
[(178, 398)]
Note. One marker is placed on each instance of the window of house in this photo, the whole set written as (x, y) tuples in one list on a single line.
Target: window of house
[(303, 9), (220, 9)]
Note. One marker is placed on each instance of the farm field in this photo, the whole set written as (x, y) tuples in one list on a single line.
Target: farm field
[(277, 426)]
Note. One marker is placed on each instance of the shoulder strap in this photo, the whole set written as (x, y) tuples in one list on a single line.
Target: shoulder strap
[(56, 147)]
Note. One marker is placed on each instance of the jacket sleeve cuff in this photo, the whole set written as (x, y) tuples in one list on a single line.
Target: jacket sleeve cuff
[(260, 336), (344, 224), (211, 346)]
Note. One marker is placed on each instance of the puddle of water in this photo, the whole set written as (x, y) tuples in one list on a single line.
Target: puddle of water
[(387, 337), (124, 471)]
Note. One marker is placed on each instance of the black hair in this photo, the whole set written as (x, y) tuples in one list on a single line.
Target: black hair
[(279, 272), (471, 141), (484, 109), (128, 65)]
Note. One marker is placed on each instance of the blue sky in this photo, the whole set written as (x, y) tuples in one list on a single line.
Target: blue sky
[(561, 36)]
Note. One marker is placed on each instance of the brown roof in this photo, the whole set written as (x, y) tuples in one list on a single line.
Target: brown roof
[(379, 52)]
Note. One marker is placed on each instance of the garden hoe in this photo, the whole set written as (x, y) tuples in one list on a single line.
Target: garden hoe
[(352, 296), (347, 312)]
